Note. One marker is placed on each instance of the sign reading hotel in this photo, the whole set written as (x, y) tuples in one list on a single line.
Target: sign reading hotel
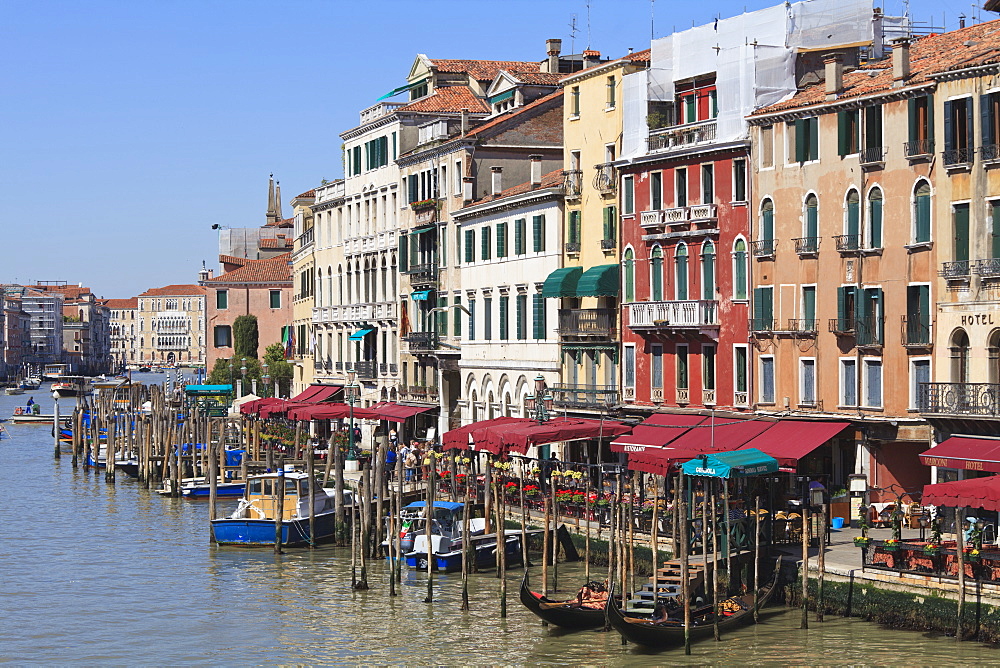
[(945, 462)]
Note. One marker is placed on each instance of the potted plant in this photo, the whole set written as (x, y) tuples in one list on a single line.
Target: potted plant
[(861, 541), (972, 553), (891, 545), (932, 549)]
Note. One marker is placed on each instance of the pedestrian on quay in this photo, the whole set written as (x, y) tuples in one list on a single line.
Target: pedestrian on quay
[(410, 463)]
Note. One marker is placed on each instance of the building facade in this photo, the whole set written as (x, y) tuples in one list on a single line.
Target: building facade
[(123, 331), (172, 326)]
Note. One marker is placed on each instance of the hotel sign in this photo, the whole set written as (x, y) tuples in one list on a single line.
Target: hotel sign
[(967, 464)]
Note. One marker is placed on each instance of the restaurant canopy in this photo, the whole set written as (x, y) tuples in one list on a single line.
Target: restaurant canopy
[(280, 408), (975, 453), (253, 406), (330, 411), (317, 393), (973, 492), (600, 281), (518, 438), (656, 431), (734, 464), (393, 412), (788, 441), (459, 439)]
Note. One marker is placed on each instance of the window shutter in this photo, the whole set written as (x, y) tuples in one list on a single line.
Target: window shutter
[(912, 119), (970, 131), (538, 233), (501, 240), (484, 240), (629, 195), (404, 253), (812, 221), (923, 218), (629, 278), (873, 126), (470, 245), (809, 307), (949, 125), (657, 267), (503, 317), (961, 221), (986, 120), (519, 230), (843, 138), (457, 325), (878, 327), (415, 251), (767, 225), (875, 223), (442, 316), (538, 316), (925, 305), (758, 308), (800, 140), (522, 306), (842, 323), (853, 218), (930, 117)]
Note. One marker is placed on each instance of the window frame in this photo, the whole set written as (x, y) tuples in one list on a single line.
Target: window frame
[(842, 398), (805, 400), (914, 403), (868, 363), (762, 395)]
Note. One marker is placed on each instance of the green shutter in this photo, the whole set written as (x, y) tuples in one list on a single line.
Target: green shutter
[(995, 229), (629, 277), (501, 240), (415, 251), (457, 331), (930, 117), (923, 218), (842, 309), (812, 220), (656, 265), (522, 306), (628, 196), (442, 316), (767, 225), (912, 116), (470, 245), (485, 241), (404, 253), (538, 233), (961, 222), (739, 289), (519, 230), (800, 140), (873, 126), (875, 222), (809, 307), (853, 218), (538, 316), (758, 309), (949, 120), (504, 301), (925, 305), (843, 133)]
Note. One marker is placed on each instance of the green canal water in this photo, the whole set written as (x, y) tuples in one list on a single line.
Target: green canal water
[(103, 574)]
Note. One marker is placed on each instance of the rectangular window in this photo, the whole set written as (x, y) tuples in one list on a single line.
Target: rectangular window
[(442, 316), (521, 317), (707, 184), (458, 178), (610, 223), (538, 316), (960, 221), (501, 240), (767, 146), (848, 132), (681, 187), (357, 160), (920, 373), (708, 367), (920, 125), (848, 382), (457, 324), (767, 380), (611, 92), (222, 299), (995, 229), (574, 98), (873, 127), (763, 309), (873, 383), (803, 136), (470, 245), (656, 372), (573, 234), (739, 180), (740, 368), (472, 319), (520, 230), (487, 318), (404, 252), (683, 372), (275, 298), (656, 191), (629, 366), (809, 323), (504, 304), (918, 317), (413, 188), (807, 381), (959, 135), (538, 233), (223, 336), (628, 195)]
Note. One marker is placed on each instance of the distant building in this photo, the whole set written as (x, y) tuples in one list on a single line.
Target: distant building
[(172, 325), (16, 334), (124, 331)]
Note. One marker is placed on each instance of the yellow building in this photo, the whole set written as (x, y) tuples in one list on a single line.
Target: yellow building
[(303, 292)]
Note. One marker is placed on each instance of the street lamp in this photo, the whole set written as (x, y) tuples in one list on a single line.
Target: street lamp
[(541, 401), (243, 375), (352, 392), (266, 377)]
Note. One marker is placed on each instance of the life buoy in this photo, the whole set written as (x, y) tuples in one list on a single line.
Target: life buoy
[(18, 410)]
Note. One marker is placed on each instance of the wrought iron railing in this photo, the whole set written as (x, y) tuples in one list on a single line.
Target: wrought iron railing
[(918, 147), (366, 369), (989, 152), (584, 396), (572, 183), (848, 243), (807, 245), (957, 269), (843, 325), (989, 267), (762, 324), (803, 325), (960, 399), (423, 274), (592, 322), (869, 331), (916, 330), (572, 247), (872, 155), (958, 156), (763, 247), (608, 244), (605, 178), (422, 341)]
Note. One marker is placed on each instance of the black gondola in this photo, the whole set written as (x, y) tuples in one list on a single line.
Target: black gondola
[(569, 614), (662, 635)]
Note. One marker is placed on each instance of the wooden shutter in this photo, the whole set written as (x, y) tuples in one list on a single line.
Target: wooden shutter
[(809, 307), (986, 120), (758, 309), (873, 126), (875, 221), (812, 220), (538, 316), (522, 306), (912, 119), (843, 133), (961, 223), (457, 325), (484, 240), (970, 132), (853, 217), (656, 264), (538, 233), (470, 245), (767, 225), (519, 230), (930, 117), (504, 302), (629, 195), (800, 140), (404, 253), (923, 207), (501, 240), (995, 229), (949, 125)]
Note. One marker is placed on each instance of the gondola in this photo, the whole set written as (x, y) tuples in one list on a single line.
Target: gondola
[(663, 635), (564, 614)]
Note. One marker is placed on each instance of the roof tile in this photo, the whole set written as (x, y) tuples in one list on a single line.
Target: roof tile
[(271, 270), (484, 70), (174, 290), (448, 99)]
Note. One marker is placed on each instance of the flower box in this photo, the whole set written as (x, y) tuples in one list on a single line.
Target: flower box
[(890, 545), (861, 541), (931, 550)]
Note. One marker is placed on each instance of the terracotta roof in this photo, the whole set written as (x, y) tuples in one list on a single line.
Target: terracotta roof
[(122, 304), (448, 99), (499, 120), (550, 180), (306, 194), (70, 292), (280, 242), (483, 70), (271, 270), (174, 290), (639, 56), (287, 222), (232, 259), (968, 47), (538, 78)]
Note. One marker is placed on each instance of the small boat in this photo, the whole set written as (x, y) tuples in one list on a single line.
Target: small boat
[(10, 391), (30, 383), (199, 488), (253, 522), (72, 386), (143, 369), (447, 539), (572, 614), (736, 610), (36, 418), (129, 467), (54, 371)]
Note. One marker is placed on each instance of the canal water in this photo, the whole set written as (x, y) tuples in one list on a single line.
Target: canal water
[(115, 574)]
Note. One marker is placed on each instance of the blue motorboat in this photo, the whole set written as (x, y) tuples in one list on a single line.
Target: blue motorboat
[(253, 522)]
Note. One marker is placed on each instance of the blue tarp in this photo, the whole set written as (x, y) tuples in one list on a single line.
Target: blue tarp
[(734, 464), (449, 505), (234, 457)]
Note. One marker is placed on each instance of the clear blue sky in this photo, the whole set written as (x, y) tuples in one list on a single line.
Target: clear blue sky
[(128, 128)]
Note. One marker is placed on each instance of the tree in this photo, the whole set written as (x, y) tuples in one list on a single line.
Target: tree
[(245, 336), (278, 369)]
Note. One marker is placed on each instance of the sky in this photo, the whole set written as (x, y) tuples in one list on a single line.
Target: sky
[(129, 128)]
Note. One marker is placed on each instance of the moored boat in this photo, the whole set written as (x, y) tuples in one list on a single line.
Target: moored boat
[(72, 386), (575, 614), (10, 391), (253, 523)]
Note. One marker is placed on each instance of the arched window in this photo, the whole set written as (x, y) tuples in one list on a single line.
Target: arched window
[(629, 267), (319, 287), (960, 357), (340, 285), (708, 270), (922, 212), (994, 356), (852, 221), (873, 228), (811, 230), (681, 272), (656, 274), (767, 228), (740, 269)]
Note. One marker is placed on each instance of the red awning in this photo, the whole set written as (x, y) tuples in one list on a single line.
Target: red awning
[(316, 393), (719, 435), (458, 439), (519, 438), (253, 407), (975, 492), (659, 460), (330, 411), (788, 441), (976, 453), (656, 431), (394, 412)]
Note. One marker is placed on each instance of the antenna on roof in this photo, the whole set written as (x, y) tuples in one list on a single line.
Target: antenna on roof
[(588, 24), (573, 30), (652, 19)]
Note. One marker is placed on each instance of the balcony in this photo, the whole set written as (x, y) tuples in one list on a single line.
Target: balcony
[(605, 179), (919, 148), (648, 219), (806, 326), (572, 246), (678, 215), (762, 325), (959, 399), (608, 244), (685, 314), (987, 268), (366, 369), (680, 136), (848, 243), (393, 368), (741, 398), (423, 275), (708, 397), (763, 248), (869, 332), (598, 397), (916, 331), (807, 245), (842, 326), (424, 393), (704, 213), (958, 157), (422, 342), (955, 271), (989, 153), (872, 156), (304, 239), (338, 366), (572, 183), (383, 368), (591, 323)]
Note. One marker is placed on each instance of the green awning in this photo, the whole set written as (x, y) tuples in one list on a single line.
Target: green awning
[(502, 96), (207, 390), (732, 464), (421, 295), (396, 91), (360, 334), (562, 282), (600, 281)]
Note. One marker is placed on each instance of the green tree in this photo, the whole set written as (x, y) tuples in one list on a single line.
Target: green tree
[(245, 337), (278, 369), (221, 373)]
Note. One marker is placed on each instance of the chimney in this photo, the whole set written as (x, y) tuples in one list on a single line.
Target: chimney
[(467, 182), (552, 49), (961, 21), (536, 170), (497, 180), (900, 61), (465, 121), (834, 63), (591, 58)]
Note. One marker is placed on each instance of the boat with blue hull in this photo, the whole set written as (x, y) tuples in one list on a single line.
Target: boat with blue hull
[(252, 524)]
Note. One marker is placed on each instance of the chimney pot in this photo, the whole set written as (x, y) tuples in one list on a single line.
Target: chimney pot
[(834, 63), (467, 188), (553, 47), (536, 170), (465, 121), (497, 180), (900, 61)]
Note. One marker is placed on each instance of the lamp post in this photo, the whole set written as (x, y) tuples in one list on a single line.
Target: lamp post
[(352, 392), (243, 375), (541, 401), (265, 377)]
